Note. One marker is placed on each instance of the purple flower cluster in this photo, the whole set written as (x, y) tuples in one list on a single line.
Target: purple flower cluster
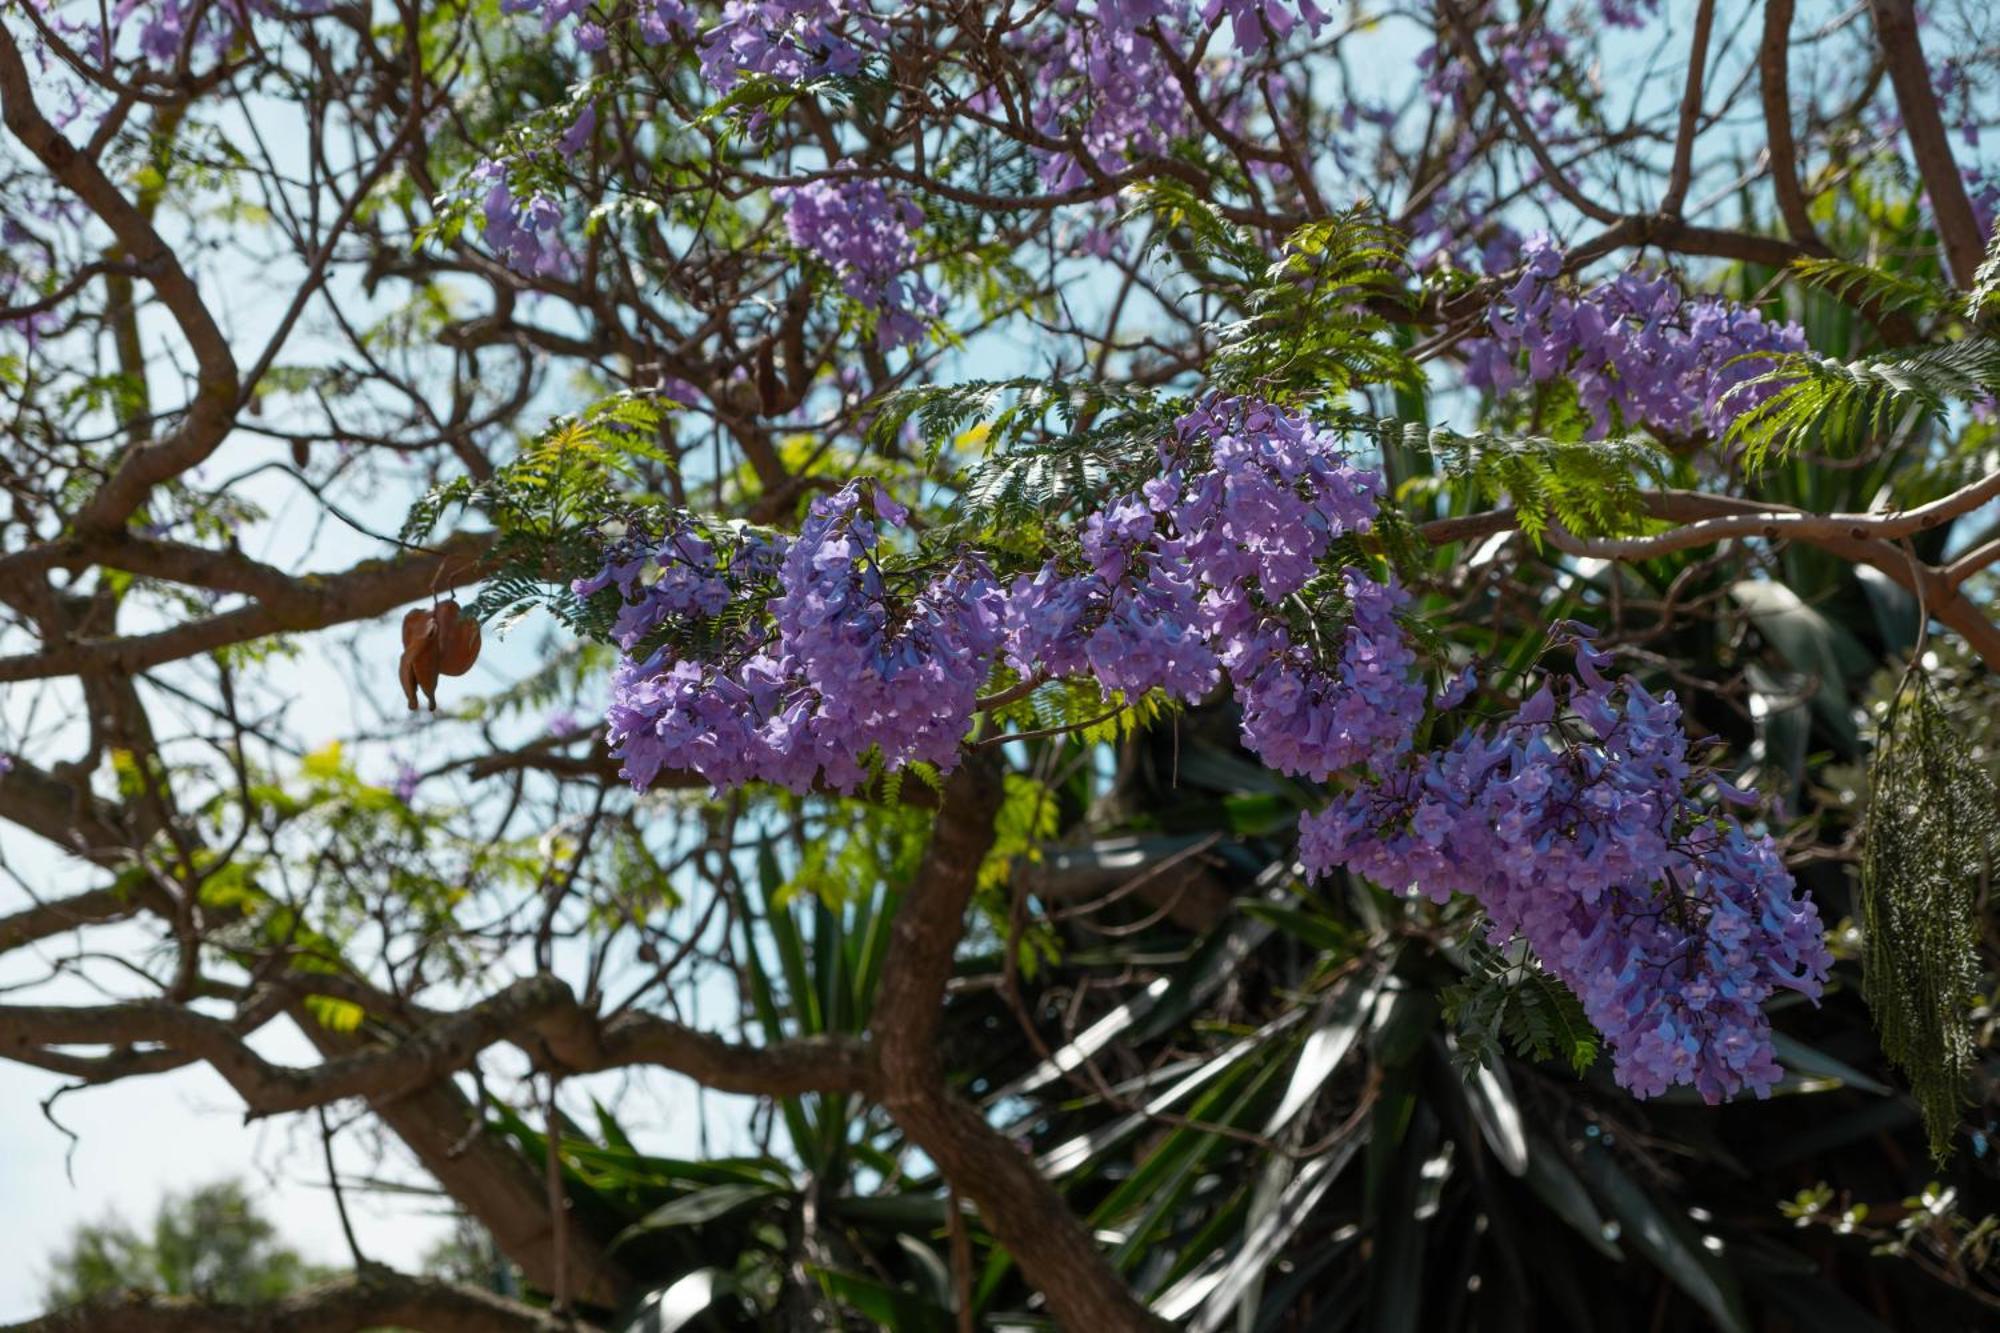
[(1306, 722), (863, 233), (676, 577), (553, 12), (1199, 577), (788, 40), (1578, 824), (164, 30), (407, 777), (525, 233), (1636, 344), (844, 668), (660, 21), (1131, 620), (1580, 829), (1196, 578), (1110, 85), (1528, 55), (1251, 19), (1626, 13)]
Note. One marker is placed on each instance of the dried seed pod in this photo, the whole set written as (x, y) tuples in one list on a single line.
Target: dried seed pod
[(420, 657), (458, 640)]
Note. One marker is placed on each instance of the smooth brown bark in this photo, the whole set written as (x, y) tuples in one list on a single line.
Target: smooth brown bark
[(1930, 143), (1026, 1214)]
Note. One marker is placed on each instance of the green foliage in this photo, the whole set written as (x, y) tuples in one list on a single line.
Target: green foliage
[(1928, 1221), (1077, 707), (1506, 998), (763, 1241), (211, 1243), (1873, 287), (1318, 323), (852, 847), (548, 504), (1042, 448), (1928, 853), (1304, 330), (1590, 487), (1029, 816), (1986, 280), (1824, 402), (1311, 325)]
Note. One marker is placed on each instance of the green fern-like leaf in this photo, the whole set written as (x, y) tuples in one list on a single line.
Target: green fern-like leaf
[(1820, 401), (1512, 1001), (1986, 279), (1590, 487), (1863, 285)]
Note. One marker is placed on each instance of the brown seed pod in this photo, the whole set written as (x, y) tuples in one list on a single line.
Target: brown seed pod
[(420, 657), (458, 640)]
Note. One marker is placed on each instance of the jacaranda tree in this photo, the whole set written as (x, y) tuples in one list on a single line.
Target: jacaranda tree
[(1251, 664)]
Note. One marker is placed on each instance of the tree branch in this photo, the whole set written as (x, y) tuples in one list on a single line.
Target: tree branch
[(1682, 171), (1025, 1213), (537, 1013), (53, 918), (1774, 89), (1865, 538), (308, 602), (213, 407), (1951, 206), (376, 1299)]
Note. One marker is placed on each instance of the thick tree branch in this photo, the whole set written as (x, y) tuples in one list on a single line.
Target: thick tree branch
[(1864, 538), (213, 406), (1923, 124), (1714, 517), (1681, 174), (1023, 1210), (377, 1299), (485, 1176), (54, 917), (538, 1013), (267, 1088), (785, 1069), (309, 602), (65, 813), (1774, 74)]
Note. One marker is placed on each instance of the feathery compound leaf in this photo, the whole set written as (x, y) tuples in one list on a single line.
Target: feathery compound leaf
[(1817, 400), (1863, 285), (1507, 996), (1931, 834), (1986, 279), (1590, 487)]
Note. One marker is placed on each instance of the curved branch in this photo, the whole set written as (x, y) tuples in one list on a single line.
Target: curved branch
[(306, 602), (1026, 1214), (1712, 518), (213, 407), (782, 1069), (1706, 519), (374, 1300), (1774, 76), (58, 915), (1951, 206), (537, 1013), (1682, 172)]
